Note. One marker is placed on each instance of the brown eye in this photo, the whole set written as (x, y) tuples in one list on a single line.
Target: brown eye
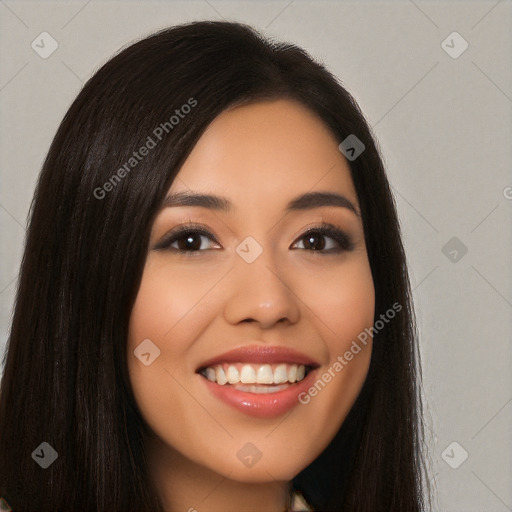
[(315, 242), (325, 239), (188, 240)]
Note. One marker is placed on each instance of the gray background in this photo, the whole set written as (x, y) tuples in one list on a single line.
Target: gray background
[(444, 127)]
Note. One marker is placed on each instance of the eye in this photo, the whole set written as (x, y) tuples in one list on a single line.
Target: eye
[(325, 238), (188, 239)]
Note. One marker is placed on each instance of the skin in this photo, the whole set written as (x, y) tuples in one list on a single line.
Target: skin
[(197, 305)]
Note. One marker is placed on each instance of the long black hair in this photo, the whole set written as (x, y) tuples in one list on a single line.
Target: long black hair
[(65, 378)]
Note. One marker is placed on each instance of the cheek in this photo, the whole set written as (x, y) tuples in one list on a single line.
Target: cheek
[(173, 307), (165, 298), (341, 305), (342, 300), (171, 312), (168, 312)]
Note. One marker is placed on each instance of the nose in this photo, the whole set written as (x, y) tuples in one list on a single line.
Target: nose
[(260, 294)]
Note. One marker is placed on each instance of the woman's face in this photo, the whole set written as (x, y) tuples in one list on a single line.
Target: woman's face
[(268, 301)]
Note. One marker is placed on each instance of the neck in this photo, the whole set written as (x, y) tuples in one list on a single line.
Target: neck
[(184, 485)]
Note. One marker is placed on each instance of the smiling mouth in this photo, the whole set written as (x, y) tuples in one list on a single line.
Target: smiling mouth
[(256, 378)]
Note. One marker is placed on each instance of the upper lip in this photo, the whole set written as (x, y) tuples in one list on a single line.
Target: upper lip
[(261, 354)]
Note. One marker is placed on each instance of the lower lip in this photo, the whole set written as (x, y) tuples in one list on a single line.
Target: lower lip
[(261, 405)]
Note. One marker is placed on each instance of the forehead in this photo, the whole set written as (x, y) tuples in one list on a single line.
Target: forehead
[(271, 150)]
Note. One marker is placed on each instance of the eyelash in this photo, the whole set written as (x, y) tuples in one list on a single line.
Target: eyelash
[(329, 230)]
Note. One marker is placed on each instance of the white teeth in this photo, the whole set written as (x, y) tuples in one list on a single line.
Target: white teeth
[(210, 374), (280, 374), (265, 375), (255, 374), (248, 374), (221, 376), (233, 375), (261, 389)]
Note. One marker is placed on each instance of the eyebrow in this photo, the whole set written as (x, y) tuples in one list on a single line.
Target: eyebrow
[(305, 201)]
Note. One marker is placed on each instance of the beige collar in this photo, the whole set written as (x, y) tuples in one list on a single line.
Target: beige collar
[(298, 503)]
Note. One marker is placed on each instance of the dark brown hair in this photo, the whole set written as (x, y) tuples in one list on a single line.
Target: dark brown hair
[(65, 378)]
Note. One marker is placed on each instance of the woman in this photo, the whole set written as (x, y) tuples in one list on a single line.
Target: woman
[(214, 310)]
